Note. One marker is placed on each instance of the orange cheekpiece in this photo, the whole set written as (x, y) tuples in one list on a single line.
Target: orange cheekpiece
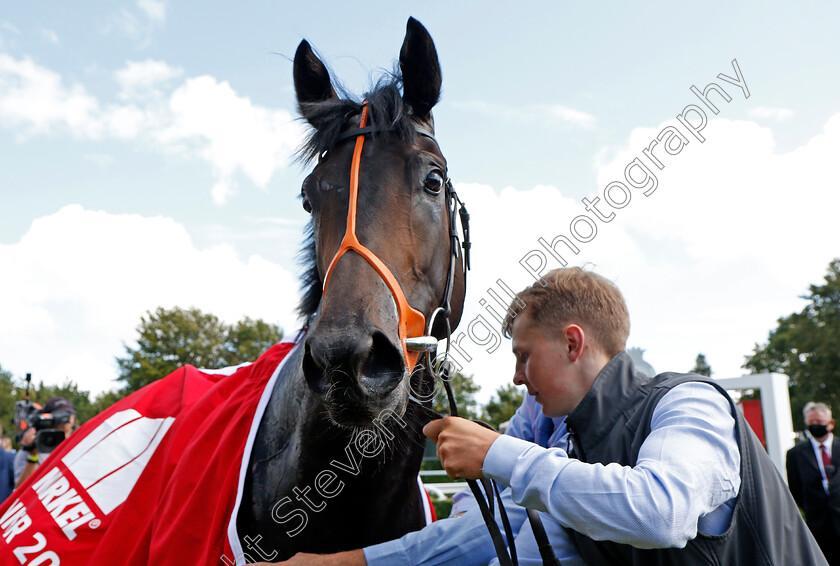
[(412, 322)]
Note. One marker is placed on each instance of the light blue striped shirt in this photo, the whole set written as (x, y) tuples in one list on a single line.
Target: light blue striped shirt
[(685, 481)]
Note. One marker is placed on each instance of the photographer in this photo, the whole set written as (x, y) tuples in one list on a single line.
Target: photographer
[(43, 435)]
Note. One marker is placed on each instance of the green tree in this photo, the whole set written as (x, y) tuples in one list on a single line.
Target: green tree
[(503, 404), (70, 391), (464, 389), (169, 339), (249, 338), (106, 399), (804, 345), (8, 396), (701, 366)]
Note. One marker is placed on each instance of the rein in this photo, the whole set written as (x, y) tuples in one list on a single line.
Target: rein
[(417, 336)]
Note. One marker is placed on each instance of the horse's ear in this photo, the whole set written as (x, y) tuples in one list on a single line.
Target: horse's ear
[(312, 80), (420, 69)]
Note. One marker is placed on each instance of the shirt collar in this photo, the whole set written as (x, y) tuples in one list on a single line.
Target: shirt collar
[(827, 441)]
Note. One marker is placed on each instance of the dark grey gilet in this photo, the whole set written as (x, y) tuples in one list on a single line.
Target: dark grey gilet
[(611, 423)]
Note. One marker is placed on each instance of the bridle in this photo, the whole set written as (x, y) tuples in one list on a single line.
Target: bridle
[(416, 336)]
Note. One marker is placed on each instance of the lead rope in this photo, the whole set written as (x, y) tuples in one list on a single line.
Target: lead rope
[(486, 504), (486, 499), (491, 488), (543, 544)]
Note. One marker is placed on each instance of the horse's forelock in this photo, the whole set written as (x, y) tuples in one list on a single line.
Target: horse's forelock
[(390, 118)]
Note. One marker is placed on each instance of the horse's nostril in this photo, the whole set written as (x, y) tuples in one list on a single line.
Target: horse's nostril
[(383, 368), (313, 372)]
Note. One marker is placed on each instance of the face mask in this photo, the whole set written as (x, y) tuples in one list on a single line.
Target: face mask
[(818, 430)]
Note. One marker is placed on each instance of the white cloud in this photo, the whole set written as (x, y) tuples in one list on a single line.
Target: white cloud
[(202, 118), (84, 278), (568, 115), (771, 113), (733, 198), (230, 132), (127, 24), (727, 243), (144, 79), (50, 36), (553, 115), (8, 26), (139, 26), (36, 98), (154, 10)]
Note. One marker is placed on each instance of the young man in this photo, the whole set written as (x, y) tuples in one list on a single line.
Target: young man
[(814, 481), (625, 469)]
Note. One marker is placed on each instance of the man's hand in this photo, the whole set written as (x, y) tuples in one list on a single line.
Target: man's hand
[(461, 445), (27, 441), (349, 558)]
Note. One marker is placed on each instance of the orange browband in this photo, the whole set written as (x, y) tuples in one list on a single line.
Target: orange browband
[(412, 322)]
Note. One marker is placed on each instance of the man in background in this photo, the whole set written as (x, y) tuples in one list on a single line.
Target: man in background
[(28, 458), (814, 481)]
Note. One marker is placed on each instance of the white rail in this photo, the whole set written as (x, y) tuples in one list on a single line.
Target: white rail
[(444, 490)]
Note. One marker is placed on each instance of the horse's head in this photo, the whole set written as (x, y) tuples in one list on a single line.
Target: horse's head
[(355, 359)]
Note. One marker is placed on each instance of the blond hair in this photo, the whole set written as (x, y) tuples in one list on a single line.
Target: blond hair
[(572, 295)]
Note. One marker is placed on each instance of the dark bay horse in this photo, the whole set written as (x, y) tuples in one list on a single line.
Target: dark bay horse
[(335, 460)]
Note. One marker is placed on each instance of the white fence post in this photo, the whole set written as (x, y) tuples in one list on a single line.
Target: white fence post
[(775, 411)]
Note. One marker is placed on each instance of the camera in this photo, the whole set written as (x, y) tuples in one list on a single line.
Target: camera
[(45, 420), (47, 435), (25, 412)]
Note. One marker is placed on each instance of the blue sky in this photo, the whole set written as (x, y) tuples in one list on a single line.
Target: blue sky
[(145, 160)]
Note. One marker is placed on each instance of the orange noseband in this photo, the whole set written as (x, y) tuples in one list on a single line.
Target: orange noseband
[(412, 322)]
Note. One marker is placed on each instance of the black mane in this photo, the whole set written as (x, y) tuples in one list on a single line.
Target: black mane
[(392, 121)]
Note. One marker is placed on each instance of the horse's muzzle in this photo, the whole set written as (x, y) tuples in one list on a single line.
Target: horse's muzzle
[(354, 375)]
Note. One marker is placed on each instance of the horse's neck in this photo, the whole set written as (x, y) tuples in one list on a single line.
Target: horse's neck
[(297, 441), (303, 466), (390, 451)]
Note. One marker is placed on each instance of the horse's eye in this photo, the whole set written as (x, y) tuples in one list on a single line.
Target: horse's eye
[(307, 206), (434, 182)]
